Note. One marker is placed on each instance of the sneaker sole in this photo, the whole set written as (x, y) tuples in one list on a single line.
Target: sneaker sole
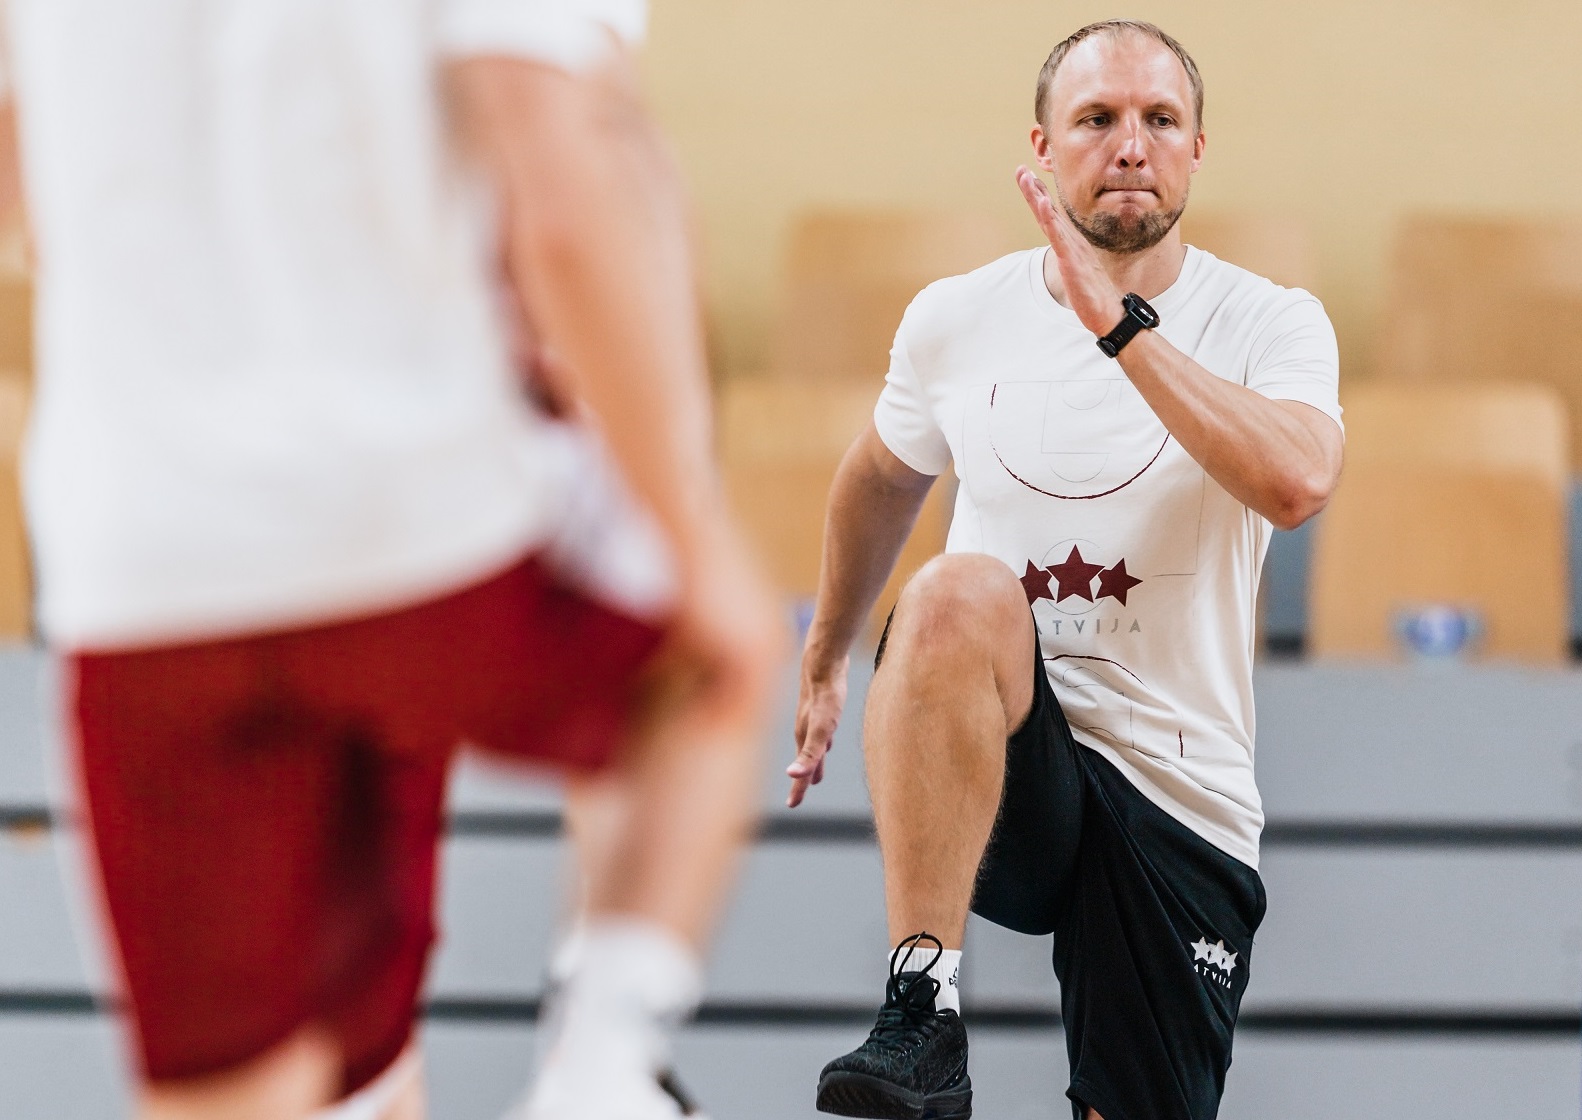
[(858, 1094)]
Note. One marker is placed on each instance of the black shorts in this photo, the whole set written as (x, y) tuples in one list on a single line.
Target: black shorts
[(1153, 924)]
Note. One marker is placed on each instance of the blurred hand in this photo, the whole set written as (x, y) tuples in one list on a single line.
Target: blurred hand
[(820, 701), (1089, 290)]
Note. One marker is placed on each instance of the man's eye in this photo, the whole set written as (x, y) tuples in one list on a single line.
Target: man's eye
[(1098, 121), (1163, 122)]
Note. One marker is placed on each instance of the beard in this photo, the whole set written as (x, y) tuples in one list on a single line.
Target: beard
[(1125, 234)]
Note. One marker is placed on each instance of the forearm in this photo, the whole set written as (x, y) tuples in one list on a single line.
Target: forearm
[(873, 505), (1267, 454), (597, 241)]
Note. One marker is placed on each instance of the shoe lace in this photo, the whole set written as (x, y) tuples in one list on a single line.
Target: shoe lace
[(908, 997)]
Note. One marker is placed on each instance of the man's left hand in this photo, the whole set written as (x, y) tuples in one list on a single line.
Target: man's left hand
[(1089, 290)]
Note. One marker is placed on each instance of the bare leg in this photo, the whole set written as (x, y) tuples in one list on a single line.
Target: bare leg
[(956, 680), (597, 809), (296, 1079), (658, 835), (656, 838), (396, 1094), (410, 1103), (288, 1082)]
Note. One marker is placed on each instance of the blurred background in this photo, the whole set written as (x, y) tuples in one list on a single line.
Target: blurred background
[(1416, 166)]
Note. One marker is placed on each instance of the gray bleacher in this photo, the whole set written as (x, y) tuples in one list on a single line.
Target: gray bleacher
[(1422, 957)]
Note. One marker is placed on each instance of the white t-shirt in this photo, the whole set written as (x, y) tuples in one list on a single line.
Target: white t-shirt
[(1141, 570), (273, 384)]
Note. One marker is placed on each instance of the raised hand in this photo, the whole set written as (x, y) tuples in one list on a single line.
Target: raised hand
[(1089, 290)]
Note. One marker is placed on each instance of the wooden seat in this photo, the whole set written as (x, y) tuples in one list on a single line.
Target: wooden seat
[(1449, 254), (849, 275), (1452, 494), (1475, 299), (1273, 245), (780, 443)]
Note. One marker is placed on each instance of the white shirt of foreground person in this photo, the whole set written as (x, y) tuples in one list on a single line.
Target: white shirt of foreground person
[(1141, 570), (273, 388)]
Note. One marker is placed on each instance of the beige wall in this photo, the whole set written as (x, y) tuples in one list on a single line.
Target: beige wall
[(1346, 113)]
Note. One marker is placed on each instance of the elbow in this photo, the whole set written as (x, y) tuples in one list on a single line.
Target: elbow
[(1299, 500)]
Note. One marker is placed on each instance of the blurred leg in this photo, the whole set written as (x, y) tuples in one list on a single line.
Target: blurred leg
[(396, 1094), (410, 1104), (293, 1080), (659, 833), (597, 807), (285, 1083), (656, 836)]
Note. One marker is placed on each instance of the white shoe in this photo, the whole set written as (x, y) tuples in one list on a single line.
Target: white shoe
[(565, 1094), (605, 1032)]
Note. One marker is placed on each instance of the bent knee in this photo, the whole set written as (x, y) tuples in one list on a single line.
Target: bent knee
[(963, 593)]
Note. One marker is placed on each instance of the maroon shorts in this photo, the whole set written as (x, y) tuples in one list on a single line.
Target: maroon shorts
[(266, 809)]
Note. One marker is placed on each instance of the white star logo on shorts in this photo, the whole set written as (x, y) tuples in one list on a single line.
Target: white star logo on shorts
[(1215, 954)]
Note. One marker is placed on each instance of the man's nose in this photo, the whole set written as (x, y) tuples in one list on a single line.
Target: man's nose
[(1133, 153)]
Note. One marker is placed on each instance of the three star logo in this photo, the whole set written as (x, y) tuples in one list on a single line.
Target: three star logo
[(1073, 579), (1075, 576), (1035, 584), (1215, 954)]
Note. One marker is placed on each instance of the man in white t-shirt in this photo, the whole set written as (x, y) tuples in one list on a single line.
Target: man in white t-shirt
[(300, 531), (1059, 734)]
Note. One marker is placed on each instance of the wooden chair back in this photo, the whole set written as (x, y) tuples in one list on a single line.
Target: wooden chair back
[(1453, 494), (1273, 245), (849, 275), (1487, 300), (780, 444)]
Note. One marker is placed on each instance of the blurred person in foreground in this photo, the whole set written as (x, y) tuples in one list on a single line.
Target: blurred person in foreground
[(300, 533), (1059, 732)]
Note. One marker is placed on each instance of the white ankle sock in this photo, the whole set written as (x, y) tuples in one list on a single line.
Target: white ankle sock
[(946, 970), (634, 982)]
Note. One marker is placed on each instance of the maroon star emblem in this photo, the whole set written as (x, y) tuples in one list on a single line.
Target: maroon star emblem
[(1075, 576), (1035, 584), (1115, 582)]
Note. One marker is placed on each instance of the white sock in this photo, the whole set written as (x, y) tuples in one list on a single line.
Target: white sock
[(634, 983), (946, 970)]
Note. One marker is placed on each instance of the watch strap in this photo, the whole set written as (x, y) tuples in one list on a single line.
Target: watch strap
[(1139, 317)]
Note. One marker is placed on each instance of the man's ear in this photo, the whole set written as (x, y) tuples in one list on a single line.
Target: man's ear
[(1041, 153), (1197, 150)]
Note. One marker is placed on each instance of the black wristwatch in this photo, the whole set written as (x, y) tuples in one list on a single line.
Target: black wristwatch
[(1139, 317)]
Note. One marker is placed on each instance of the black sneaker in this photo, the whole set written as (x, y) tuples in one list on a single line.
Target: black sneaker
[(914, 1064)]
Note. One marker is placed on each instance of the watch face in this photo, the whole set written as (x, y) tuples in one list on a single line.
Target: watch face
[(1140, 311)]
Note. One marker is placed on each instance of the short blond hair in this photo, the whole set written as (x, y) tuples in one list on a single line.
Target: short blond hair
[(1046, 76)]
